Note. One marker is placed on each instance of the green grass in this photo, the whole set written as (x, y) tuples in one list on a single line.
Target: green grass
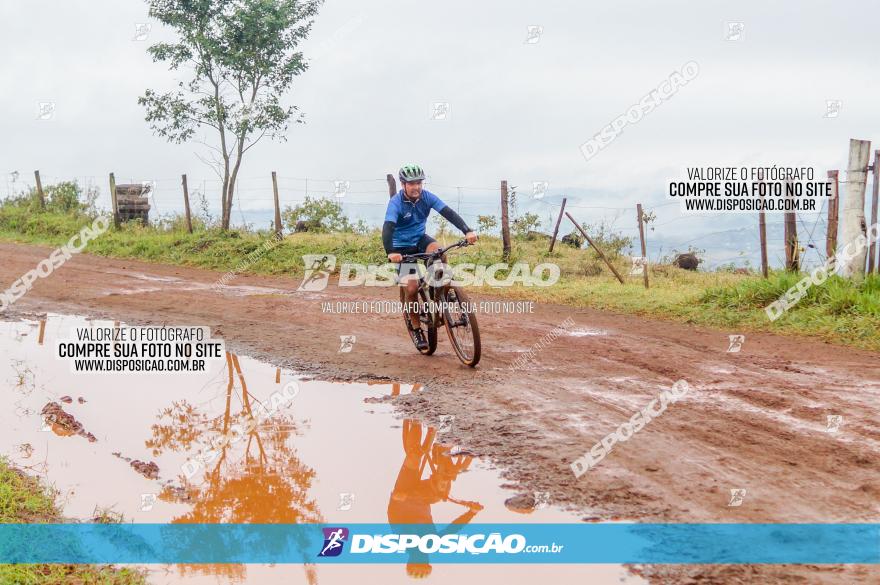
[(838, 311), (23, 499), (69, 575)]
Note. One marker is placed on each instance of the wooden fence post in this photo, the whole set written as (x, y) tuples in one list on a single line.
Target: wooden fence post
[(189, 223), (505, 222), (40, 189), (558, 221), (595, 247), (792, 253), (792, 247), (852, 223), (392, 185), (873, 249), (762, 232), (642, 239), (277, 204), (833, 207), (113, 200)]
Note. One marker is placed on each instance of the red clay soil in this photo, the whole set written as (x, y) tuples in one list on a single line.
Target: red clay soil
[(754, 420)]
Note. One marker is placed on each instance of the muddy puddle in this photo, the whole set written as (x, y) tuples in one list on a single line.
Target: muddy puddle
[(334, 453), (137, 283)]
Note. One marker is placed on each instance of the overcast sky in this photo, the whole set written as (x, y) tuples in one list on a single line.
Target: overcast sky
[(518, 110)]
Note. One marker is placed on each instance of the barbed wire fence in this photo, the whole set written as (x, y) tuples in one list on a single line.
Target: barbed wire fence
[(367, 199)]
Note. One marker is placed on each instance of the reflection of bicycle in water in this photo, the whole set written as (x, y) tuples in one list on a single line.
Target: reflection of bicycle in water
[(413, 494)]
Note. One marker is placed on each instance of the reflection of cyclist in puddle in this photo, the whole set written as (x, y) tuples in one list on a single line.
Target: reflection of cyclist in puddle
[(413, 496)]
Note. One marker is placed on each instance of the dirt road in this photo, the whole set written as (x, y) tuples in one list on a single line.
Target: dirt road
[(756, 420)]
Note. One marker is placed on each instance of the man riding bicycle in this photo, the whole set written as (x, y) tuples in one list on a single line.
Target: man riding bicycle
[(403, 233)]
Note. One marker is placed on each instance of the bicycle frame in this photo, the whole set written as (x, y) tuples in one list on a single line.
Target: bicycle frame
[(447, 306), (430, 258)]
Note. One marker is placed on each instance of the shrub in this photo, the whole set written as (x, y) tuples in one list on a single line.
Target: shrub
[(486, 223), (320, 215), (525, 223), (612, 243)]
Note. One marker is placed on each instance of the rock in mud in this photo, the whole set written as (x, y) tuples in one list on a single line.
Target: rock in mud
[(521, 503), (148, 469), (54, 414)]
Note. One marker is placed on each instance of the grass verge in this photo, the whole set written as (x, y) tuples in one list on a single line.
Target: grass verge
[(839, 311), (23, 499)]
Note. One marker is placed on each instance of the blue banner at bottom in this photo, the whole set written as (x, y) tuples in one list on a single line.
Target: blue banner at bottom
[(472, 543)]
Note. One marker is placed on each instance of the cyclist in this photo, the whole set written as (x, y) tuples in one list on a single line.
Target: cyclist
[(404, 233)]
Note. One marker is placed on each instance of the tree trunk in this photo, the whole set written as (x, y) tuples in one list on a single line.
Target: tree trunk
[(233, 179), (223, 198), (221, 120)]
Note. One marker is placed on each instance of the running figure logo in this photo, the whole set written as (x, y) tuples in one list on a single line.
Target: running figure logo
[(318, 269), (639, 265), (334, 539), (737, 495), (736, 343)]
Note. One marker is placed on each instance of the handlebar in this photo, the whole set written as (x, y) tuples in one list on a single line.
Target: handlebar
[(431, 255)]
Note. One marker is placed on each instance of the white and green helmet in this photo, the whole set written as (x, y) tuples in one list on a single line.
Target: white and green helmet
[(409, 173)]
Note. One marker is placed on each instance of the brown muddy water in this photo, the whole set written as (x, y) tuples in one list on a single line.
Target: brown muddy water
[(116, 444)]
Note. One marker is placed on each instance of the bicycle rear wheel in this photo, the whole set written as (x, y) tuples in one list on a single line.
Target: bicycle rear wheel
[(461, 325), (425, 318)]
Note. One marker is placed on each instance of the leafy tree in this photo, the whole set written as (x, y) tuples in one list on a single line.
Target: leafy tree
[(241, 58), (65, 197), (320, 215)]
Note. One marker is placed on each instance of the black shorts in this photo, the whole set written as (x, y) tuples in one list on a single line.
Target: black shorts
[(407, 268)]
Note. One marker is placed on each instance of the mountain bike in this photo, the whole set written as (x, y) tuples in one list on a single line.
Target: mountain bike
[(439, 303)]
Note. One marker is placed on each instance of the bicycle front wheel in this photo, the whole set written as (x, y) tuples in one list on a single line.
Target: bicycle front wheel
[(460, 319)]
